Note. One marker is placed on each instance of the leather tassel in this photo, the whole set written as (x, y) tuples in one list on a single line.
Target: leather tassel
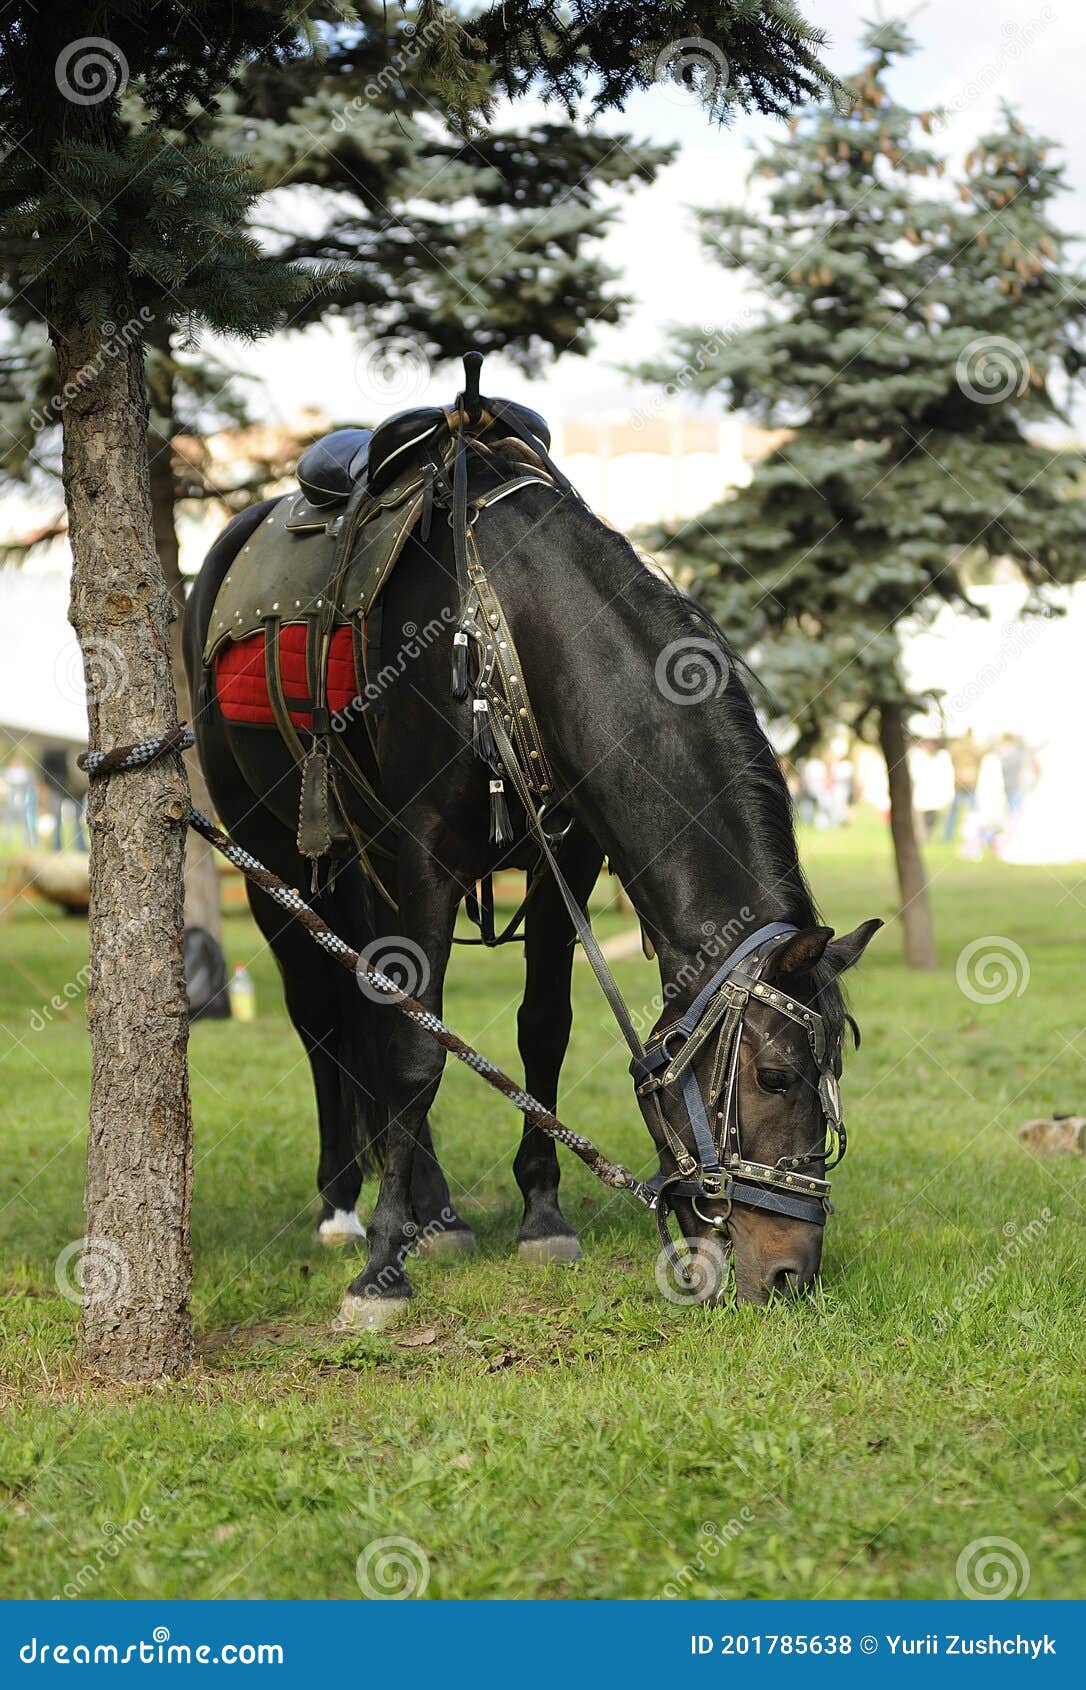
[(460, 664), (482, 735), (501, 828)]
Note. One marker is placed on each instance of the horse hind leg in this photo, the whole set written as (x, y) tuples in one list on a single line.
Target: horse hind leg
[(412, 1073)]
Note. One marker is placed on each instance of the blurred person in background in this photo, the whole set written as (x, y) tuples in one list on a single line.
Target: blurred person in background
[(1019, 769), (988, 817), (20, 803), (965, 756)]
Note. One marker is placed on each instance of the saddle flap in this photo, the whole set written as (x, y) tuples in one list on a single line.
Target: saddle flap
[(277, 573), (296, 557)]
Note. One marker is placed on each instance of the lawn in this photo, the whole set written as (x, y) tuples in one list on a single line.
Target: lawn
[(566, 1432)]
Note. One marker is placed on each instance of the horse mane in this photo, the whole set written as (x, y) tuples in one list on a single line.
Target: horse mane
[(672, 613), (675, 613)]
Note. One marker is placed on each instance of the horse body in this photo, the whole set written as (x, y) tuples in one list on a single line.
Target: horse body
[(681, 793)]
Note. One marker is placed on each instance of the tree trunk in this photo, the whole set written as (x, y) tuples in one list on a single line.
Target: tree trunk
[(134, 1265), (912, 877), (203, 903)]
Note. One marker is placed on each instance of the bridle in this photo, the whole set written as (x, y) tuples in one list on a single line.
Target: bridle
[(720, 1173)]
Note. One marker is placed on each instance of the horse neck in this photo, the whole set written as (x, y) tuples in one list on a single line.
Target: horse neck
[(687, 800)]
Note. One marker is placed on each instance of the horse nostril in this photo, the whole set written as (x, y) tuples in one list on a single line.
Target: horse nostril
[(786, 1279)]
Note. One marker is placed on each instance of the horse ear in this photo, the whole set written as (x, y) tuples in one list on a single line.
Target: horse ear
[(846, 951), (800, 952)]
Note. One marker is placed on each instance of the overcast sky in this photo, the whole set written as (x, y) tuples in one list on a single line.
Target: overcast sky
[(1027, 51)]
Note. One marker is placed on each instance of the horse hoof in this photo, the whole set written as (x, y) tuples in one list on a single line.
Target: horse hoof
[(454, 1241), (561, 1248), (342, 1227), (369, 1314)]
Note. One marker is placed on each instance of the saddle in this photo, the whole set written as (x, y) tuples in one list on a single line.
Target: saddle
[(303, 595)]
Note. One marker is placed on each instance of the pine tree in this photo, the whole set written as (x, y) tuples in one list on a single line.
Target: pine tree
[(909, 343), (91, 212), (353, 132)]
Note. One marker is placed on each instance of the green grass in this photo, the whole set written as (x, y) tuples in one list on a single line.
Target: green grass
[(554, 1432)]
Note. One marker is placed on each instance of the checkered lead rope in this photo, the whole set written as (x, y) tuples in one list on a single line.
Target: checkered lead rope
[(100, 763)]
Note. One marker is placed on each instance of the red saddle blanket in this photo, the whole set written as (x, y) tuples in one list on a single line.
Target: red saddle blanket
[(241, 683)]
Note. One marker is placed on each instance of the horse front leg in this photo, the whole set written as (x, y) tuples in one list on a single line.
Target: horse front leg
[(414, 1064), (543, 1027)]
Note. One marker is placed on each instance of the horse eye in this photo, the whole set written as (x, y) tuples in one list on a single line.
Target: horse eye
[(775, 1079)]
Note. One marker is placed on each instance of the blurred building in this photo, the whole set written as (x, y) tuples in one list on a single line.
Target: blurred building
[(661, 467)]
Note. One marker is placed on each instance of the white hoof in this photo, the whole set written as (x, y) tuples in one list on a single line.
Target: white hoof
[(370, 1314), (558, 1249), (343, 1227), (443, 1242)]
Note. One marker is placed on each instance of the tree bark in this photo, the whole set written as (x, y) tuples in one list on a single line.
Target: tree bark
[(134, 1265), (203, 901), (912, 876)]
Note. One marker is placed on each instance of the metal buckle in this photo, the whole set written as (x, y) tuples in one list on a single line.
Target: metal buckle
[(717, 1222)]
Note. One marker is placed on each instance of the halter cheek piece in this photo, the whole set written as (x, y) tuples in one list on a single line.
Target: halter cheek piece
[(720, 1173)]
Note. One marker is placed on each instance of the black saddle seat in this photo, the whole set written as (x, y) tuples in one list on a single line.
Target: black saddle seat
[(330, 468), (398, 440)]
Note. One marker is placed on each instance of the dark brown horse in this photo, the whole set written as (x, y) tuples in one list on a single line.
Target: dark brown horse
[(661, 766)]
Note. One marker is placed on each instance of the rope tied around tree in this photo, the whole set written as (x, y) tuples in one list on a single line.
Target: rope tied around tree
[(98, 764)]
